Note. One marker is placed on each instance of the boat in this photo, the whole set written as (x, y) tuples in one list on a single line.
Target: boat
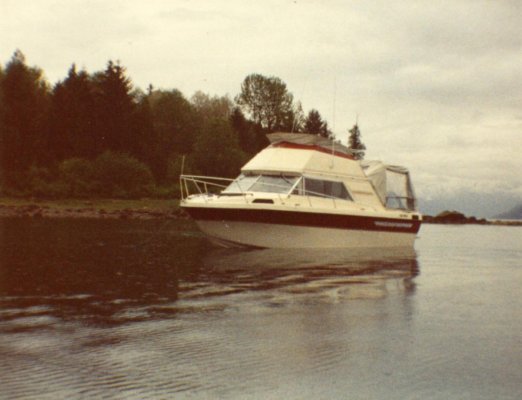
[(305, 191)]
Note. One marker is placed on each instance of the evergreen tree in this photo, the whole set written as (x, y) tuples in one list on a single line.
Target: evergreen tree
[(116, 109), (74, 120), (23, 134), (315, 125), (354, 142)]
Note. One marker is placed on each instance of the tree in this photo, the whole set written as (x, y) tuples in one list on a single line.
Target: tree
[(175, 128), (217, 151), (75, 125), (251, 136), (116, 109), (23, 133), (354, 142), (208, 108), (146, 137), (315, 125), (293, 119), (267, 101), (2, 118)]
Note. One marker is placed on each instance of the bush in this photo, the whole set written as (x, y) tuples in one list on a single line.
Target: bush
[(166, 192), (78, 175), (41, 182), (176, 164), (120, 175), (114, 175)]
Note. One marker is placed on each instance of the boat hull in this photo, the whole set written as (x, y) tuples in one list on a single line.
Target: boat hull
[(285, 229), (262, 235)]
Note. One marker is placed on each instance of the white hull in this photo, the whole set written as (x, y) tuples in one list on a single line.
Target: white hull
[(266, 235)]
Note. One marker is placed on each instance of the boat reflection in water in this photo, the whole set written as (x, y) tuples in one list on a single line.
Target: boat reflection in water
[(337, 275), (100, 273)]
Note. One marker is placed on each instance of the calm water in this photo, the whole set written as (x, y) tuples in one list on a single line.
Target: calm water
[(135, 310)]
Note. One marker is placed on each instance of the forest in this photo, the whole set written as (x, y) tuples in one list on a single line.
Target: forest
[(95, 135)]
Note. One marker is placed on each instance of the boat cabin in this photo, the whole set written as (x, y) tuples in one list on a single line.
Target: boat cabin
[(308, 165)]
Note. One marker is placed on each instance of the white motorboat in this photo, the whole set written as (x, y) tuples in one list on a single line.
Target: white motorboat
[(305, 191)]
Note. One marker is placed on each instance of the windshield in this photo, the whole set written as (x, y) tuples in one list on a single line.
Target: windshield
[(261, 183), (274, 184), (241, 184)]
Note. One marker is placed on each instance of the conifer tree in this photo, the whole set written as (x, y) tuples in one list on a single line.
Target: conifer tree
[(354, 142), (74, 120), (23, 133), (315, 125), (116, 108)]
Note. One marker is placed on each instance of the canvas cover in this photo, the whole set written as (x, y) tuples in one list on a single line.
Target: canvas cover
[(392, 184)]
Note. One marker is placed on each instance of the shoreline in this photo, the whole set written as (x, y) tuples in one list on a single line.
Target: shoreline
[(143, 209)]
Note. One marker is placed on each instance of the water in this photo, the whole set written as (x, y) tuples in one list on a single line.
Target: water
[(148, 309)]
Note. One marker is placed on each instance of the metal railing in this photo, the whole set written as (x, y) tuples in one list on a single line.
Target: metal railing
[(203, 185), (209, 185)]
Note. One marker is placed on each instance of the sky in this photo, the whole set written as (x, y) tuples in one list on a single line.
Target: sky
[(435, 86)]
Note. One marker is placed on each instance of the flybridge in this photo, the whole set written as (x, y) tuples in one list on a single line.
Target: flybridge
[(290, 145), (310, 142), (302, 153)]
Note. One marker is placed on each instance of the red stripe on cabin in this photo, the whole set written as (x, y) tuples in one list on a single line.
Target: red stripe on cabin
[(288, 145)]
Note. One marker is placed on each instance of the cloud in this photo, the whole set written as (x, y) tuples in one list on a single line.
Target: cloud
[(437, 86)]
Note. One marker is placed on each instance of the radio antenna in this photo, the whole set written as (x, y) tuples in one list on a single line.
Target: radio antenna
[(333, 123)]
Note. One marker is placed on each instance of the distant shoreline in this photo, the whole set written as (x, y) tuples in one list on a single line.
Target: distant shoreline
[(498, 222), (457, 218)]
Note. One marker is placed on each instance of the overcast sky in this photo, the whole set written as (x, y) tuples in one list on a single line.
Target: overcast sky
[(436, 85)]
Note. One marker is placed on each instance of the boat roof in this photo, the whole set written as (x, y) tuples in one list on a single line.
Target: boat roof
[(307, 139), (303, 153)]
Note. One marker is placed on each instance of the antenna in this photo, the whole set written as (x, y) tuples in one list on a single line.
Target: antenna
[(334, 99), (333, 123)]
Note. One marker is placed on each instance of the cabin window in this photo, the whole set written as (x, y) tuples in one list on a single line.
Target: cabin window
[(399, 194), (329, 189)]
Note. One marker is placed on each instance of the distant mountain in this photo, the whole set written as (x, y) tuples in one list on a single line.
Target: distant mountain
[(514, 213)]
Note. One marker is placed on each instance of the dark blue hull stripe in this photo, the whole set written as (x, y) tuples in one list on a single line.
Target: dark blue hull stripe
[(297, 218)]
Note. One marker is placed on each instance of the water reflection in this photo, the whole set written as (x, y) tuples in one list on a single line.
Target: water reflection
[(306, 271), (91, 270), (114, 272)]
